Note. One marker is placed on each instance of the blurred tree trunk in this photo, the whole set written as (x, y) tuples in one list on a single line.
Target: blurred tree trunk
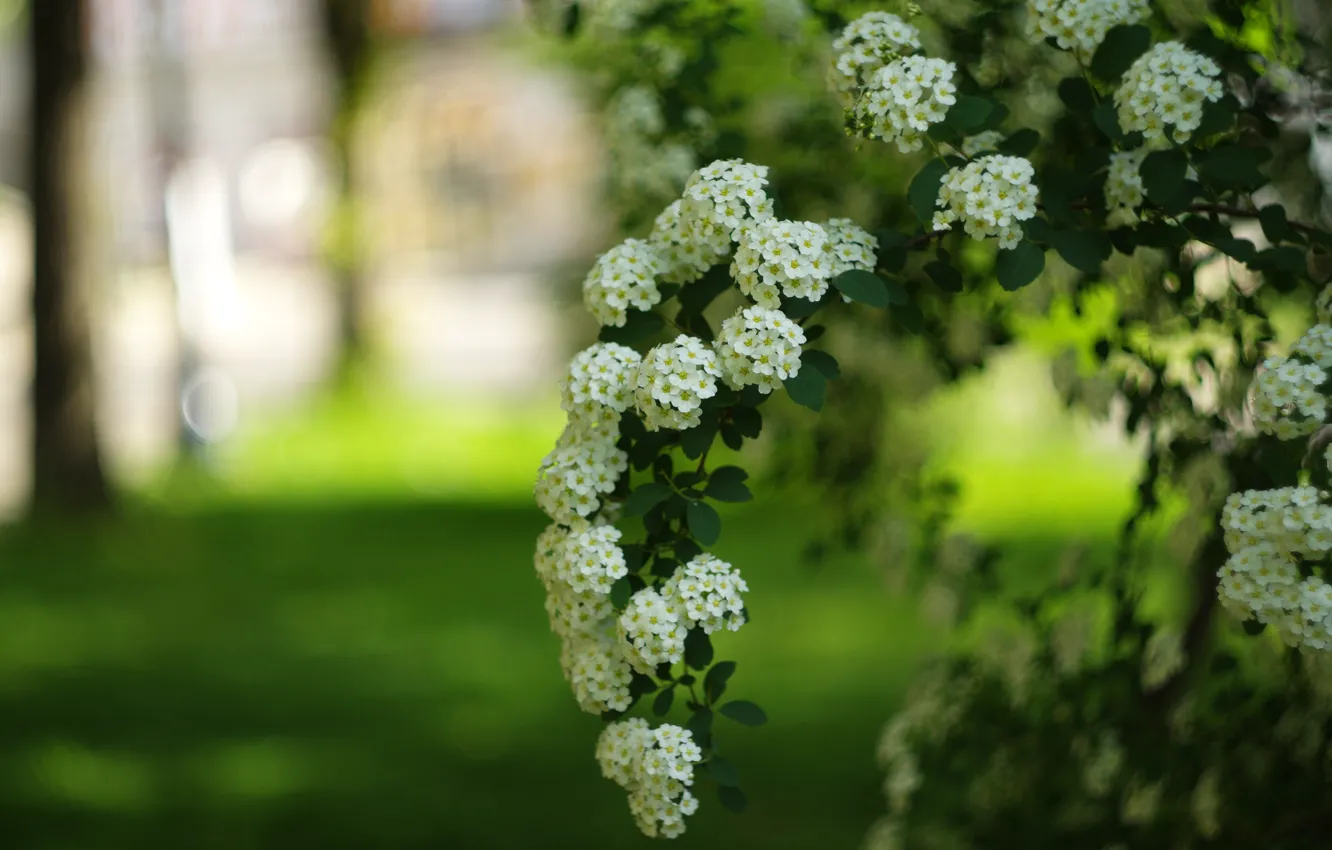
[(67, 469), (346, 27)]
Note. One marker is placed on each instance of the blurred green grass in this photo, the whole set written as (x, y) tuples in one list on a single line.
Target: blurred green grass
[(335, 639)]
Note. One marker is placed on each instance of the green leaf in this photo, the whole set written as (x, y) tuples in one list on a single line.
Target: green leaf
[(748, 421), (968, 113), (897, 294), (1038, 230), (1275, 224), (661, 706), (807, 387), (799, 308), (620, 593), (695, 441), (696, 297), (1084, 250), (824, 362), (633, 556), (1020, 266), (732, 798), (704, 523), (686, 549), (1163, 174), (924, 190), (744, 711), (727, 476), (723, 772), (665, 567), (714, 684), (1231, 166), (700, 724), (863, 286), (645, 497), (1286, 258), (1217, 117), (638, 326), (724, 490), (697, 649), (944, 276), (1077, 95), (1106, 119), (909, 318), (1122, 45), (1021, 143)]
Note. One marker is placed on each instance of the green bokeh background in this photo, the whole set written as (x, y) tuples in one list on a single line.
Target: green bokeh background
[(335, 639)]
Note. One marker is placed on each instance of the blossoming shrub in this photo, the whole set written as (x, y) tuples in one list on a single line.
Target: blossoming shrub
[(1154, 173)]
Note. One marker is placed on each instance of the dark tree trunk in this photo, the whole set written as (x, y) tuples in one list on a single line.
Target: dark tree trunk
[(346, 28), (66, 467)]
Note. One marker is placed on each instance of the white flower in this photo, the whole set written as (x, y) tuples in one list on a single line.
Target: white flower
[(1081, 25), (623, 277), (1123, 184), (652, 629), (1286, 397), (1162, 658), (866, 45), (981, 142), (598, 386), (724, 196), (758, 347), (656, 767), (990, 196), (584, 557), (673, 382), (597, 671), (778, 258), (709, 591), (849, 246), (583, 467), (1162, 93), (687, 248), (901, 100)]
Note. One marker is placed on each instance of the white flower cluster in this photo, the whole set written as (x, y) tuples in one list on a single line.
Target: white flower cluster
[(850, 246), (598, 386), (1123, 183), (709, 589), (673, 382), (981, 142), (583, 467), (705, 593), (686, 248), (646, 166), (1081, 25), (724, 195), (656, 767), (866, 45), (933, 708), (1162, 657), (623, 277), (759, 347), (778, 258), (597, 672), (652, 629), (989, 196), (578, 566), (904, 98), (1288, 399), (1270, 533), (1162, 93)]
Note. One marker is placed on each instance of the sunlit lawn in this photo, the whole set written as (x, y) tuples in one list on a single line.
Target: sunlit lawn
[(279, 664)]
